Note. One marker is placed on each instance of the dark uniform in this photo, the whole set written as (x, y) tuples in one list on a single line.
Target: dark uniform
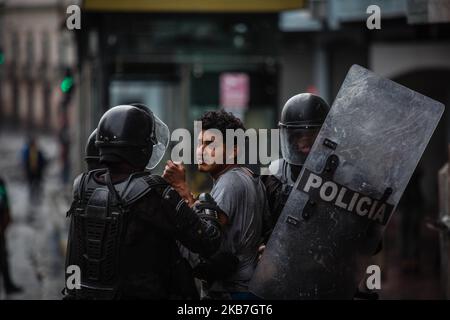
[(278, 187), (124, 225)]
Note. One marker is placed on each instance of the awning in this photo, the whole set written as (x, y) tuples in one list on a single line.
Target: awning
[(193, 6)]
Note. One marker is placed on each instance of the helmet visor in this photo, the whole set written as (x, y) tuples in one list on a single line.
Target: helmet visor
[(296, 143), (161, 136)]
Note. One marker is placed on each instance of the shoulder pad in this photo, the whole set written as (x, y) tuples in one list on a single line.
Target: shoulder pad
[(77, 185), (81, 181), (138, 186)]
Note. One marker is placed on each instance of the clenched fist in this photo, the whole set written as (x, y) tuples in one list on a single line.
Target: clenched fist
[(175, 175)]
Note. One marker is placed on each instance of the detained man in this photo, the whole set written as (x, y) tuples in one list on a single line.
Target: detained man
[(241, 197)]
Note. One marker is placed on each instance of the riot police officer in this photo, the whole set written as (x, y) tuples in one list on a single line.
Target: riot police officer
[(125, 221), (301, 119)]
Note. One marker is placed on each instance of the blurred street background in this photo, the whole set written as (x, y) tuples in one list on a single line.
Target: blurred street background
[(37, 233), (183, 58)]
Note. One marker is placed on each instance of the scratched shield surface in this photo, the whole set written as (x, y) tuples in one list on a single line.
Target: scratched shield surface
[(352, 181)]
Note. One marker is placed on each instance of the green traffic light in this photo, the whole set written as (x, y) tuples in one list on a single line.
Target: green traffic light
[(66, 84), (2, 58)]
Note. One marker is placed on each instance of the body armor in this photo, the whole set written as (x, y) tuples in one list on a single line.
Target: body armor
[(101, 229), (99, 216)]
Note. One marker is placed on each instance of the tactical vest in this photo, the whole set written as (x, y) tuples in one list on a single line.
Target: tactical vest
[(98, 222)]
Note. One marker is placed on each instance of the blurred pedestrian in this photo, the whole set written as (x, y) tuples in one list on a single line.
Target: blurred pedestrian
[(5, 220), (34, 163)]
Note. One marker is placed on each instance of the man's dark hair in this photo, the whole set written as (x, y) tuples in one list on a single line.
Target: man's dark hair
[(221, 120)]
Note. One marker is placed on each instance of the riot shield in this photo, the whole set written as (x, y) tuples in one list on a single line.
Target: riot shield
[(350, 184)]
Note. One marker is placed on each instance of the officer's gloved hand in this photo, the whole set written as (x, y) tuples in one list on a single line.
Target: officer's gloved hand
[(217, 267), (205, 205)]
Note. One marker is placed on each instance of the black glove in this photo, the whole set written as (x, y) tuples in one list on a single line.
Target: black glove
[(206, 206), (219, 266)]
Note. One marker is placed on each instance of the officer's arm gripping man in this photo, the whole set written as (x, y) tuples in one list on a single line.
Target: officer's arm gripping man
[(199, 233)]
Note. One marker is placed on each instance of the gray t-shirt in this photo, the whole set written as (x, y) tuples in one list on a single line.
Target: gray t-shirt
[(242, 197)]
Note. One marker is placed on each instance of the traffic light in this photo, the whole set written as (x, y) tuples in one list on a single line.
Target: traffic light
[(67, 83), (2, 56)]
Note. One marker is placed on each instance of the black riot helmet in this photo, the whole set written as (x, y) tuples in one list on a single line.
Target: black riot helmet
[(92, 155), (126, 133), (301, 119)]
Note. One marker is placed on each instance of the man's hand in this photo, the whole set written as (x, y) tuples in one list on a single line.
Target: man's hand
[(175, 175)]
